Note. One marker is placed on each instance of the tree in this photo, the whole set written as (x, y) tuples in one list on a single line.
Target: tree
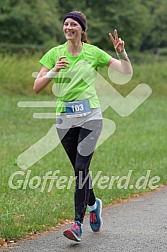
[(30, 22), (142, 24), (156, 36)]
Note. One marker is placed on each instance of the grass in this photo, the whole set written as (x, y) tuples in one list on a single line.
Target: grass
[(138, 144)]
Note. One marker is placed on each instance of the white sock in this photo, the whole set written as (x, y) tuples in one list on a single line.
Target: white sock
[(92, 208)]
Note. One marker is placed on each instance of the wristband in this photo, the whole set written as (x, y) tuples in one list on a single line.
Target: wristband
[(123, 55), (51, 74)]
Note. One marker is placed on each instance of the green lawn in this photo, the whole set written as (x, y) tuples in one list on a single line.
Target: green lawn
[(138, 145)]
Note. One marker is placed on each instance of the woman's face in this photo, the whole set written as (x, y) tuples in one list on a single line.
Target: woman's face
[(72, 29)]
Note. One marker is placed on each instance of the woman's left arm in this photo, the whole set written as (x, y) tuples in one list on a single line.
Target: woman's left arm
[(122, 64)]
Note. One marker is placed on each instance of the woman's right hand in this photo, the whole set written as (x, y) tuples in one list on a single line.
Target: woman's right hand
[(45, 75), (60, 64)]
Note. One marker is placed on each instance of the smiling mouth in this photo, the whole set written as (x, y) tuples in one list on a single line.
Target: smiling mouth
[(69, 33)]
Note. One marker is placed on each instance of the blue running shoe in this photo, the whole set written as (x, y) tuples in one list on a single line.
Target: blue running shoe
[(95, 217), (74, 232)]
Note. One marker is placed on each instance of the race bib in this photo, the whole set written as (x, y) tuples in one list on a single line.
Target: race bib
[(77, 108)]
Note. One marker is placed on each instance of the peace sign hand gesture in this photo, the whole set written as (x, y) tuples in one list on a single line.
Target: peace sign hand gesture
[(117, 42)]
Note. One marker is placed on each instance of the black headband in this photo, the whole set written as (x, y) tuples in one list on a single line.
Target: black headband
[(77, 17)]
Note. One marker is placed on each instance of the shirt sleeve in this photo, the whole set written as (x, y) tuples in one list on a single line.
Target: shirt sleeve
[(102, 57), (49, 59)]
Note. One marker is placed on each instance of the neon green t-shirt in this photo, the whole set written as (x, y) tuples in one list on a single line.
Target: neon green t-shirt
[(77, 81)]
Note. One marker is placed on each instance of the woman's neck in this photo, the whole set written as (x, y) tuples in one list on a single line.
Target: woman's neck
[(74, 48)]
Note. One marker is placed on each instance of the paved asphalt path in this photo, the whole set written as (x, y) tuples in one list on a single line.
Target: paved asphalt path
[(139, 224)]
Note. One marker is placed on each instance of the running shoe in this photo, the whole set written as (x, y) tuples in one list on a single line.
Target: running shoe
[(74, 232), (95, 217)]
